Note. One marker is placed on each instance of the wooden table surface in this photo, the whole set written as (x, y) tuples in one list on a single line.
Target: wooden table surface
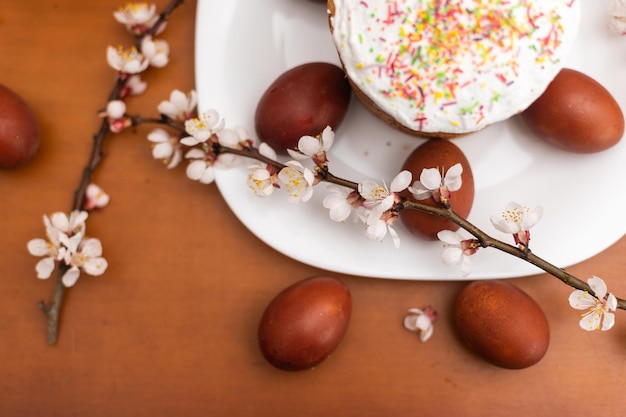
[(170, 328)]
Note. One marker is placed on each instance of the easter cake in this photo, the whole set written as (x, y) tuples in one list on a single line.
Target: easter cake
[(444, 68)]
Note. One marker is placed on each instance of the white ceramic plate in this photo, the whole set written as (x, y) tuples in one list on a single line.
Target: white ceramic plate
[(243, 45)]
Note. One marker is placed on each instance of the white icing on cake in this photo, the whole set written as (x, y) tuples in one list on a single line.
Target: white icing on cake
[(453, 66)]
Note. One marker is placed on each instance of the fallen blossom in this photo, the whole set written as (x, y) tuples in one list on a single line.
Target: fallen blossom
[(421, 322)]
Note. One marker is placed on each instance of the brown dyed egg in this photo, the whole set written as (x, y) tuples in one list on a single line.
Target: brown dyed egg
[(304, 323), (19, 130), (441, 154), (502, 324), (576, 113), (302, 101)]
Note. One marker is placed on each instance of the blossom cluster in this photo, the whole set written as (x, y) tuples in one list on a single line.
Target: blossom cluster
[(68, 245), (139, 19)]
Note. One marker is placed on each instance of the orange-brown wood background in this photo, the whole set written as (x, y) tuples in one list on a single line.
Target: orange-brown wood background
[(170, 329)]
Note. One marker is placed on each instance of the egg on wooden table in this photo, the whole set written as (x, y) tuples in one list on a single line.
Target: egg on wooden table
[(302, 102), (576, 113), (502, 324), (440, 154), (19, 130), (305, 323)]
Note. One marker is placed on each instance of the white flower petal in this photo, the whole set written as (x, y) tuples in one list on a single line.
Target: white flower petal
[(95, 266), (158, 135), (394, 236), (195, 153), (386, 203), (401, 181), (38, 247), (611, 302), (91, 247), (189, 141), (598, 286), (77, 220), (608, 321), (339, 208), (228, 137), (376, 230), (426, 334), (179, 100), (208, 176), (340, 213), (307, 195), (581, 300), (369, 189), (466, 265), (309, 145), (503, 226), (162, 150), (267, 151), (71, 276), (417, 321), (452, 179), (309, 176), (328, 138), (590, 321), (44, 268), (449, 237), (419, 192), (195, 170), (451, 255), (176, 157), (531, 218), (298, 156), (430, 178), (60, 221)]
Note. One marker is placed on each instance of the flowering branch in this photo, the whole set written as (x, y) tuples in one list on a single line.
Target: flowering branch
[(484, 240), (450, 183), (67, 244)]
